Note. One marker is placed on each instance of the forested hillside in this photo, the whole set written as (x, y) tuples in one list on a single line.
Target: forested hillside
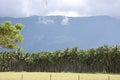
[(50, 33), (102, 59)]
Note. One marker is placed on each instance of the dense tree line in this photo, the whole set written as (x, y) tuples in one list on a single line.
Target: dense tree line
[(101, 59)]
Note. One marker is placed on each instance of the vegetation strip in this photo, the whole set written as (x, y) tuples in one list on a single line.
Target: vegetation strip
[(102, 59)]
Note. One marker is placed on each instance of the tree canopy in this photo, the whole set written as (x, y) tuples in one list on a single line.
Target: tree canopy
[(10, 35), (102, 59)]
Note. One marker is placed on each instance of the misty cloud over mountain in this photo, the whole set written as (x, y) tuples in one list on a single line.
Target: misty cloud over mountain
[(71, 8)]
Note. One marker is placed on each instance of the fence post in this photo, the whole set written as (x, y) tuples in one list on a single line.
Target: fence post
[(78, 77), (108, 77), (22, 77), (50, 77)]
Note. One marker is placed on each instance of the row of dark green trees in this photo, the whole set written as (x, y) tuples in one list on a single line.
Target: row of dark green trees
[(102, 59)]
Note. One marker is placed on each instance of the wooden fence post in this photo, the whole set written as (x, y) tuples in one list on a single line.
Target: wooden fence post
[(50, 77), (78, 77), (22, 77), (108, 77)]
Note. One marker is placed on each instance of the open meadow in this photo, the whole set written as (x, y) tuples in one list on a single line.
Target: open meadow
[(56, 76)]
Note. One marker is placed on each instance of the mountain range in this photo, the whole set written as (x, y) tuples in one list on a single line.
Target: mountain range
[(49, 33)]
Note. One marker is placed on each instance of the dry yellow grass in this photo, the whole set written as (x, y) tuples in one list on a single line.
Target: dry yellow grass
[(56, 76)]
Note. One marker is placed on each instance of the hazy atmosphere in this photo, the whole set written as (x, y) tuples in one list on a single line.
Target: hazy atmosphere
[(59, 40), (71, 8)]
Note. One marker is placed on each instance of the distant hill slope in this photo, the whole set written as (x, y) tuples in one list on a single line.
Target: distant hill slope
[(56, 32)]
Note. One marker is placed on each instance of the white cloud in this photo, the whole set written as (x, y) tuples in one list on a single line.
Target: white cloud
[(102, 7), (73, 8), (65, 21), (45, 20), (64, 13)]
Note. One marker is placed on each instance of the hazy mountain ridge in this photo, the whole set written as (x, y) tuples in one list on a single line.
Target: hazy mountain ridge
[(57, 32)]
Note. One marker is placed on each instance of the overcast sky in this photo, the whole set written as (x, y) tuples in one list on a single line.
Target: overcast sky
[(72, 8)]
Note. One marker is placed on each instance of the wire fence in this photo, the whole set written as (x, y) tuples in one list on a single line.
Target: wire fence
[(60, 77), (78, 77)]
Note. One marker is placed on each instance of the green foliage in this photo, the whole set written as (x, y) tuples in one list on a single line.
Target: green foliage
[(10, 35), (101, 59)]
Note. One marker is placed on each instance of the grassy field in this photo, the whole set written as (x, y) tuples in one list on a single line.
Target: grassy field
[(56, 76)]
